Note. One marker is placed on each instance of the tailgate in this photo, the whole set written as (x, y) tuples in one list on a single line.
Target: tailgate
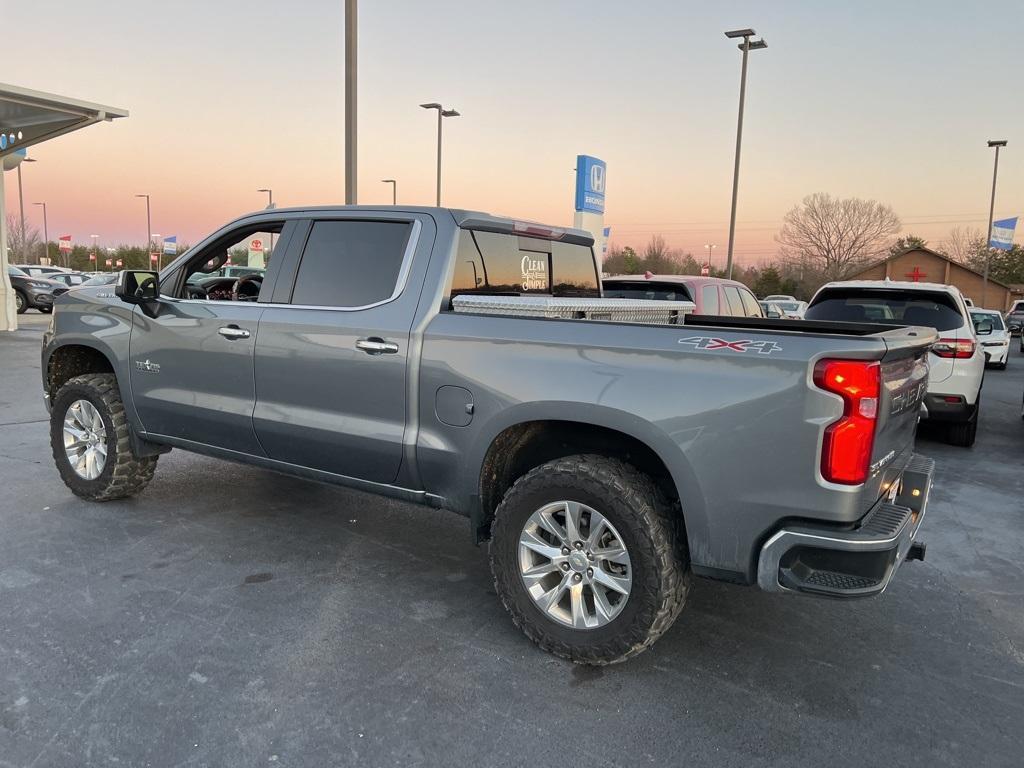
[(904, 383)]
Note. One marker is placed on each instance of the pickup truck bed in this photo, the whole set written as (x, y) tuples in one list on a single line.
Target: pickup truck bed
[(605, 461)]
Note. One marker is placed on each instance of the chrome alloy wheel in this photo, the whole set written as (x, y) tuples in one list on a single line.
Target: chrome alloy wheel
[(574, 565), (85, 439)]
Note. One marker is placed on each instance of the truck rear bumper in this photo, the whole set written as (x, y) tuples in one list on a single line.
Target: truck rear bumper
[(859, 562)]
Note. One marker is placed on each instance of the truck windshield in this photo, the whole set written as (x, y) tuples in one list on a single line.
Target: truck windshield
[(869, 305), (513, 265), (648, 290)]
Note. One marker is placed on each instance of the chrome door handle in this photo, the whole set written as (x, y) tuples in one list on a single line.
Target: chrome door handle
[(233, 332), (376, 346)]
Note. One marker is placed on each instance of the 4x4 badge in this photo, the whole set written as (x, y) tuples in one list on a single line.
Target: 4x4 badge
[(712, 343)]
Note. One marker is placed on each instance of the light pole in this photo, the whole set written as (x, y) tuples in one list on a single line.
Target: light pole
[(710, 248), (991, 213), (350, 102), (746, 46), (46, 234), (394, 189), (95, 253), (441, 113), (270, 207), (149, 226), (21, 211)]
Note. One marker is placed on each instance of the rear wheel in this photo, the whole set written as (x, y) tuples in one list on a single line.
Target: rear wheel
[(20, 302), (589, 559), (90, 442), (963, 433)]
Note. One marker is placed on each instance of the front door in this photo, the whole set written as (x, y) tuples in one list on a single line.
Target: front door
[(331, 363), (192, 355)]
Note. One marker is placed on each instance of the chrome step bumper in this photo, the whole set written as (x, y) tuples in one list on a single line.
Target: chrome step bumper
[(850, 563)]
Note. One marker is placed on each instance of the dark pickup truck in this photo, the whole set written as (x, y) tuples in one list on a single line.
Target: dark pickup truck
[(470, 362)]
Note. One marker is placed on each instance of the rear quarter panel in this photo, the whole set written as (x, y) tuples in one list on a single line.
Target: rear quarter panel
[(717, 418)]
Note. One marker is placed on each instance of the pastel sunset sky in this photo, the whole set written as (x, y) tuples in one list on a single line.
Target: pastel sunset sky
[(886, 100)]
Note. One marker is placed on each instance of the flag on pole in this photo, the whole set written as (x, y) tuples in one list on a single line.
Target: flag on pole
[(64, 243), (171, 245), (1001, 236)]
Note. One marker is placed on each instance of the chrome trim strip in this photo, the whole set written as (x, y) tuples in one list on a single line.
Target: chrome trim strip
[(400, 284)]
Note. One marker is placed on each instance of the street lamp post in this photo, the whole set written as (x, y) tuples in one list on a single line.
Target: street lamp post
[(746, 46), (270, 207), (991, 213), (46, 234), (710, 248), (149, 228), (394, 189), (21, 211), (350, 102), (441, 113), (95, 252)]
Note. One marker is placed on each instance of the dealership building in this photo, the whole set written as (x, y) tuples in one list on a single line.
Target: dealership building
[(923, 265)]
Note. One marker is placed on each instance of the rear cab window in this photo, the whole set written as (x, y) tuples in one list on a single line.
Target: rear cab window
[(498, 264), (931, 309)]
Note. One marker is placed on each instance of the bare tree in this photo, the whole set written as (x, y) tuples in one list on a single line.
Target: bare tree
[(20, 249), (834, 236), (964, 245)]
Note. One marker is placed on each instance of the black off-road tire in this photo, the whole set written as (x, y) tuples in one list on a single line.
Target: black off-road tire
[(124, 474), (963, 433), (20, 302), (651, 530)]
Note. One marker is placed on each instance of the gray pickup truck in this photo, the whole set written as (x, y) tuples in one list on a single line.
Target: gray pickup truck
[(606, 462)]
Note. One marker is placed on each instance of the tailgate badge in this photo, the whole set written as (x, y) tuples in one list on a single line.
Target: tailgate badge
[(711, 343)]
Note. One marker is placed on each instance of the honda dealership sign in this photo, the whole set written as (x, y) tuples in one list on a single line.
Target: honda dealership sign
[(591, 184)]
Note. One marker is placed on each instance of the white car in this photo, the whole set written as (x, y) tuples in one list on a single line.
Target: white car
[(780, 297), (956, 360), (792, 310), (994, 336)]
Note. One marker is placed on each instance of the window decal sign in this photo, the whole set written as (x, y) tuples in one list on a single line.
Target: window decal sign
[(535, 273)]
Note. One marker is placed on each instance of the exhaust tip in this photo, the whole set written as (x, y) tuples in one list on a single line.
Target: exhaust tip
[(917, 551)]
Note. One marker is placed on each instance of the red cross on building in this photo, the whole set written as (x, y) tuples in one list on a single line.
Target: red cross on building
[(917, 274)]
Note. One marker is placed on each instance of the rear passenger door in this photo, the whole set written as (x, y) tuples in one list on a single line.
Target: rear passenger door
[(333, 345)]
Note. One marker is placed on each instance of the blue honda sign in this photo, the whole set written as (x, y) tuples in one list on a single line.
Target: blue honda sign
[(590, 184)]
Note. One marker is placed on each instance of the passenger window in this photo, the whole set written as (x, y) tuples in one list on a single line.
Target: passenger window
[(732, 298), (750, 306), (351, 263), (233, 268), (710, 295)]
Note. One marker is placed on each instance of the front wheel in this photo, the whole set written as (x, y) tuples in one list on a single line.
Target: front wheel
[(90, 442), (589, 559), (20, 302)]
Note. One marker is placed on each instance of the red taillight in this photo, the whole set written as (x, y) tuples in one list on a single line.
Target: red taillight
[(846, 450), (958, 349)]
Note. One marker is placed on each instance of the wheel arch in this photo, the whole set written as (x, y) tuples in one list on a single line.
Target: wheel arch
[(531, 436), (77, 358)]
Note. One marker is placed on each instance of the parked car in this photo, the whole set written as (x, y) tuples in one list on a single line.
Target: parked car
[(956, 361), (792, 310), (771, 310), (1015, 320), (711, 295), (40, 270), (455, 359), (995, 339), (70, 279), (780, 297), (33, 292), (101, 278)]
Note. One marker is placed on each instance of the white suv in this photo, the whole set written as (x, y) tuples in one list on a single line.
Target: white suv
[(956, 361)]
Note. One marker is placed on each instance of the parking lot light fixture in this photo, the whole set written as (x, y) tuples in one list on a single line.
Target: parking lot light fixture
[(746, 46), (441, 113)]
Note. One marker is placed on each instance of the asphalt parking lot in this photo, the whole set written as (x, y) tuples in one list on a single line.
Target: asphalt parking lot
[(233, 617)]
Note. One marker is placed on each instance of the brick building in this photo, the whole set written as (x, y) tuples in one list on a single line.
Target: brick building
[(923, 265)]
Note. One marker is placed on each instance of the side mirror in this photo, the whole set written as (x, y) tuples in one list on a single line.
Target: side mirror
[(137, 286)]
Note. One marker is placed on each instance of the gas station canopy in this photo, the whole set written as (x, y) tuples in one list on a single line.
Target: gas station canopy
[(30, 117)]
